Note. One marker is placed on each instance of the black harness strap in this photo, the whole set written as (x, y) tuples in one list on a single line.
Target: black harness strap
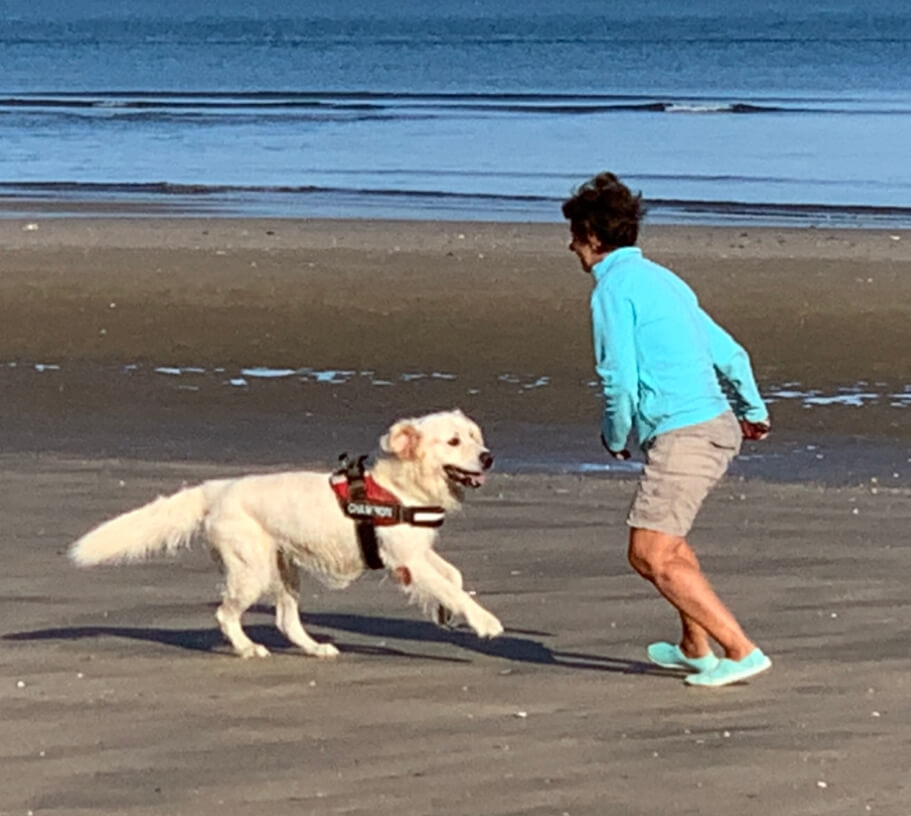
[(357, 492)]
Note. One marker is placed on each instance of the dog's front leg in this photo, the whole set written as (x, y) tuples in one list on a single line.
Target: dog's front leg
[(427, 581), (442, 566), (442, 614)]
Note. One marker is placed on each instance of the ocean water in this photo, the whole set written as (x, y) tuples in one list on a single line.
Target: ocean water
[(719, 111)]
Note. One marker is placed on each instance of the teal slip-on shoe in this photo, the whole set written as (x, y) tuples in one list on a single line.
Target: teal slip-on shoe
[(670, 656), (731, 671)]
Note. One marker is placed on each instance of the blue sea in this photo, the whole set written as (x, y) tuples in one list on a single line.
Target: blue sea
[(719, 111)]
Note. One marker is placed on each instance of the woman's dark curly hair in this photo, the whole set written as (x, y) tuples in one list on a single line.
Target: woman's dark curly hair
[(605, 208)]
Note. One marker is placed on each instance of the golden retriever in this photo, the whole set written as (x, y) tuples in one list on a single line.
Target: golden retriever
[(264, 529)]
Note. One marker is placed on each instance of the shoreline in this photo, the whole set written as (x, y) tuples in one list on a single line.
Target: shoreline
[(171, 200)]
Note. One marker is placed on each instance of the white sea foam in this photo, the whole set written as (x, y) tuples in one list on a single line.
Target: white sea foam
[(854, 400), (331, 376), (264, 373), (699, 107)]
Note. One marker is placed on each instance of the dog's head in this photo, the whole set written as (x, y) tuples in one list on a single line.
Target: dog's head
[(438, 455)]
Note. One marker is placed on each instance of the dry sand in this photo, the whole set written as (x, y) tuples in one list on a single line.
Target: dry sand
[(117, 693)]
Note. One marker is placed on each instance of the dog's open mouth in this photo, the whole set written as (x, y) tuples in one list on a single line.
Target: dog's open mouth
[(467, 478)]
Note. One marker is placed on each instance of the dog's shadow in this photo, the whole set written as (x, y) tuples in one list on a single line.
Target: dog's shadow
[(515, 645)]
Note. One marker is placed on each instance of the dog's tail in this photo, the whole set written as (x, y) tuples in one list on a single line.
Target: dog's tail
[(161, 526)]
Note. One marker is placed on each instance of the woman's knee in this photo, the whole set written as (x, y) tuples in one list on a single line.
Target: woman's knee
[(651, 551)]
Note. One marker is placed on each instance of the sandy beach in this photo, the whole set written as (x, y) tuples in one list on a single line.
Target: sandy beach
[(139, 354)]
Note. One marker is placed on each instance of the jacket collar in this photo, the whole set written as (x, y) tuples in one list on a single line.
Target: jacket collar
[(600, 269)]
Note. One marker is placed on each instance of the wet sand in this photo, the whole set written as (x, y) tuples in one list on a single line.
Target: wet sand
[(491, 317), (120, 696)]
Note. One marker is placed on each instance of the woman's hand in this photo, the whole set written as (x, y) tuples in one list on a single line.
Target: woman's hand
[(621, 454), (755, 430)]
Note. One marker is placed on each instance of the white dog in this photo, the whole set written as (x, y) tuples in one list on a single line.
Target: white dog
[(263, 529)]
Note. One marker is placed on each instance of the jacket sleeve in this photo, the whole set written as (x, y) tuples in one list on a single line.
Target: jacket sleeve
[(615, 363), (733, 365)]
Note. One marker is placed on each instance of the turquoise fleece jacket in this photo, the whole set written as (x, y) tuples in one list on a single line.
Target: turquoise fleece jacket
[(660, 357)]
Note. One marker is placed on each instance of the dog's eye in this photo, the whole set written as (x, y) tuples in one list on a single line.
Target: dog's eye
[(454, 441)]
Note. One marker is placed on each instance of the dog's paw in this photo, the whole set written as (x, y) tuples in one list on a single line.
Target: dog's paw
[(253, 650), (443, 616), (485, 624), (325, 651)]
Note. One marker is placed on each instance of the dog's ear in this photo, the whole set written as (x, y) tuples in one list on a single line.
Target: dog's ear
[(402, 440)]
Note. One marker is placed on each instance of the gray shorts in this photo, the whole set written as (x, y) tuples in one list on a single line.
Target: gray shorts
[(681, 467)]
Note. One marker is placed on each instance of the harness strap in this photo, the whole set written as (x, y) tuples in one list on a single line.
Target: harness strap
[(357, 492)]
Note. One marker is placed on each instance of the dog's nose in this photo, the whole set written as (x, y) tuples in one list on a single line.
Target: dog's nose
[(486, 460)]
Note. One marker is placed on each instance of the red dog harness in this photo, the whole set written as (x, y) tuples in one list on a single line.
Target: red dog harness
[(371, 506)]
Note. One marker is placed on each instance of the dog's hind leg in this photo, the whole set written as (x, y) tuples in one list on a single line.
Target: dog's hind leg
[(237, 601), (287, 614), (244, 551)]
